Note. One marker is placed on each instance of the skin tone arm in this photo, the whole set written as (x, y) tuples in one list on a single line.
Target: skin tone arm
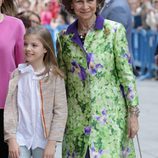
[(156, 60), (49, 151), (133, 125), (14, 151)]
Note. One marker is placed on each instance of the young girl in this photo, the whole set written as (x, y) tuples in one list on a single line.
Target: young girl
[(36, 106)]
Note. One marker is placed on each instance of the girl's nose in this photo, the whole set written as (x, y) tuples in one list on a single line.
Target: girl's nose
[(28, 47)]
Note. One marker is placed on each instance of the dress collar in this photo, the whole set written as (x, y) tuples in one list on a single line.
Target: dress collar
[(98, 25), (23, 68), (72, 29)]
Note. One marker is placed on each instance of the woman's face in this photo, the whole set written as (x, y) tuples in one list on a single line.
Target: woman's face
[(156, 4), (84, 9), (34, 20)]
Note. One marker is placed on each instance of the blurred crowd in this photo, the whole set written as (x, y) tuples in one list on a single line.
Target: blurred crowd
[(44, 12), (145, 14)]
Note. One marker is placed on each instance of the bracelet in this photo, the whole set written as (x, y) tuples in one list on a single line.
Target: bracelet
[(134, 111)]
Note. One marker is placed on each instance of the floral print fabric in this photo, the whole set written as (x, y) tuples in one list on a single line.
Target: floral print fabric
[(97, 106)]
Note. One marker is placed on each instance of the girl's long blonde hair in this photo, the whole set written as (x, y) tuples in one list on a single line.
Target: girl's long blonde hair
[(45, 38)]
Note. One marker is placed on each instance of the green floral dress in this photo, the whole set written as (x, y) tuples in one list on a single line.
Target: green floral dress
[(97, 105)]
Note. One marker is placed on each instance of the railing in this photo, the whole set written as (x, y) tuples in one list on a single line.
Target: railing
[(144, 46)]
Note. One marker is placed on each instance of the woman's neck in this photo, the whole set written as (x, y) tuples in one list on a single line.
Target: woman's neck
[(85, 25)]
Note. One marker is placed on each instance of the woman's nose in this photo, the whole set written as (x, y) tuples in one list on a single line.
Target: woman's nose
[(85, 5)]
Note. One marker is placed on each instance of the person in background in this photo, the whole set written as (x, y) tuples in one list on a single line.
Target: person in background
[(146, 8), (58, 24), (119, 11), (29, 18), (34, 18), (23, 5), (152, 17), (24, 18), (156, 62), (36, 105), (11, 54), (93, 54), (135, 6), (50, 11)]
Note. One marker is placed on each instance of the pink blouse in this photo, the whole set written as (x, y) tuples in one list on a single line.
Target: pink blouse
[(11, 51)]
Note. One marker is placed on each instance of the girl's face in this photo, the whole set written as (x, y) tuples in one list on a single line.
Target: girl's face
[(84, 9), (34, 50)]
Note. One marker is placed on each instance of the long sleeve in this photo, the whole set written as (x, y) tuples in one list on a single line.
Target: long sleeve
[(59, 112), (10, 112), (19, 46), (60, 56), (124, 67)]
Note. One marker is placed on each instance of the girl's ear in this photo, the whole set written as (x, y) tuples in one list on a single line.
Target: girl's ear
[(45, 50)]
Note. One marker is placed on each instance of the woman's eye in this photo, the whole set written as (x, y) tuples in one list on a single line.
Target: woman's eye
[(78, 1)]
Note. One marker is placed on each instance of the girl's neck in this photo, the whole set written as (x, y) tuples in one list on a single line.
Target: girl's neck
[(85, 26), (38, 68), (1, 17)]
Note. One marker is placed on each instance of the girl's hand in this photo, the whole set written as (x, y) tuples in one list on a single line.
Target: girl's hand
[(133, 125), (14, 151), (49, 151)]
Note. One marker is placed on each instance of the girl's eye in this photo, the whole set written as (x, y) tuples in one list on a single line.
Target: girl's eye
[(25, 44), (34, 45)]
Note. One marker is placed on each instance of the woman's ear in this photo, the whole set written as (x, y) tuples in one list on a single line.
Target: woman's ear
[(72, 6)]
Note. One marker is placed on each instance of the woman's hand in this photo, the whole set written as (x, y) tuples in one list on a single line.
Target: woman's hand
[(49, 151), (14, 151), (133, 125), (156, 60)]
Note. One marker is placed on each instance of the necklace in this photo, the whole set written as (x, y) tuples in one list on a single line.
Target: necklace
[(83, 31)]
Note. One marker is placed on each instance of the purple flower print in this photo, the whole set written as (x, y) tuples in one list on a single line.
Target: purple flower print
[(114, 29), (91, 66), (122, 90), (128, 57), (101, 118), (94, 153), (68, 155), (125, 152), (79, 70), (87, 130), (130, 94)]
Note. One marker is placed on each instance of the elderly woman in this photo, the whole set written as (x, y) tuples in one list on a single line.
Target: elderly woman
[(101, 90)]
